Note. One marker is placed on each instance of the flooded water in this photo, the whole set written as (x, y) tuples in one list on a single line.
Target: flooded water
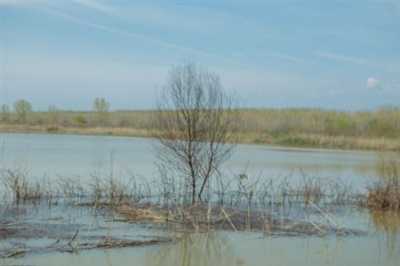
[(380, 246), (229, 249), (70, 155), (62, 155)]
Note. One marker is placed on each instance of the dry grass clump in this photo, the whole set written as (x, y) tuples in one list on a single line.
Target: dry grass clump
[(70, 188), (204, 218), (115, 191), (16, 182), (142, 213), (385, 194), (310, 190), (199, 217)]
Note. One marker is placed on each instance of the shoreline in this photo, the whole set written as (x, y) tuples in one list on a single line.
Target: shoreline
[(315, 141)]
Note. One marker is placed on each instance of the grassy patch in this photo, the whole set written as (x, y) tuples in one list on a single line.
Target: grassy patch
[(370, 130)]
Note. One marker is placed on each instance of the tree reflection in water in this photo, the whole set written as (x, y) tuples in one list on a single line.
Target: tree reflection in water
[(196, 250)]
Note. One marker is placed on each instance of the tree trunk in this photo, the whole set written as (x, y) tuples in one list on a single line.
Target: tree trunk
[(193, 190)]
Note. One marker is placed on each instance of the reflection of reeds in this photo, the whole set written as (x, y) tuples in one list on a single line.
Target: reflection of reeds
[(386, 221), (195, 250), (389, 223)]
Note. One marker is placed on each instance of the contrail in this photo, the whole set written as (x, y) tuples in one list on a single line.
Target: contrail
[(129, 34)]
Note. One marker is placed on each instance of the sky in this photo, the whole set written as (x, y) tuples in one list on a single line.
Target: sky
[(341, 55)]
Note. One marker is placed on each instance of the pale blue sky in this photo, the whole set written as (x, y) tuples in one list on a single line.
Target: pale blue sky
[(286, 53)]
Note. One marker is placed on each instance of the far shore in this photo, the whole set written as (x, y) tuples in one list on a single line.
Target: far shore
[(289, 140)]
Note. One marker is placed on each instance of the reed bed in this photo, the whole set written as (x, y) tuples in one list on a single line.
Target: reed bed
[(238, 203), (384, 194), (17, 184), (241, 191), (202, 218), (301, 127)]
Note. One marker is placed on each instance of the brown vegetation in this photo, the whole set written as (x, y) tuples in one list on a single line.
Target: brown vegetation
[(22, 190), (384, 196), (203, 218), (371, 130), (385, 193)]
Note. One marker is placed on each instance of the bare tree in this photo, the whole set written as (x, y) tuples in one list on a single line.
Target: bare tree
[(195, 125)]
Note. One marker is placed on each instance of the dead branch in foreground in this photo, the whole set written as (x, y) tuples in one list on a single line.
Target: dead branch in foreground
[(103, 244)]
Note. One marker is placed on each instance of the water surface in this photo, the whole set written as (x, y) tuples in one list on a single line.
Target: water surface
[(71, 155)]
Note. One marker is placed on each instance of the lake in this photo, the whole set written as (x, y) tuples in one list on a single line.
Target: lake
[(68, 155), (71, 155)]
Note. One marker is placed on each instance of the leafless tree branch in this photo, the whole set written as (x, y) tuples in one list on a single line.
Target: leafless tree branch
[(195, 125)]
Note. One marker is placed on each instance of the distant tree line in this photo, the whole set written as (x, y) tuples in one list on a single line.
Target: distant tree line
[(22, 109), (256, 123), (22, 113)]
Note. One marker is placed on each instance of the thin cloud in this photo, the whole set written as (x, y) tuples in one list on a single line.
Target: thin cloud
[(341, 58), (373, 83), (139, 14), (116, 30), (286, 57), (20, 3), (130, 34), (95, 5)]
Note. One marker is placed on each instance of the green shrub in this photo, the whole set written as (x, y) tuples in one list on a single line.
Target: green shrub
[(80, 120)]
